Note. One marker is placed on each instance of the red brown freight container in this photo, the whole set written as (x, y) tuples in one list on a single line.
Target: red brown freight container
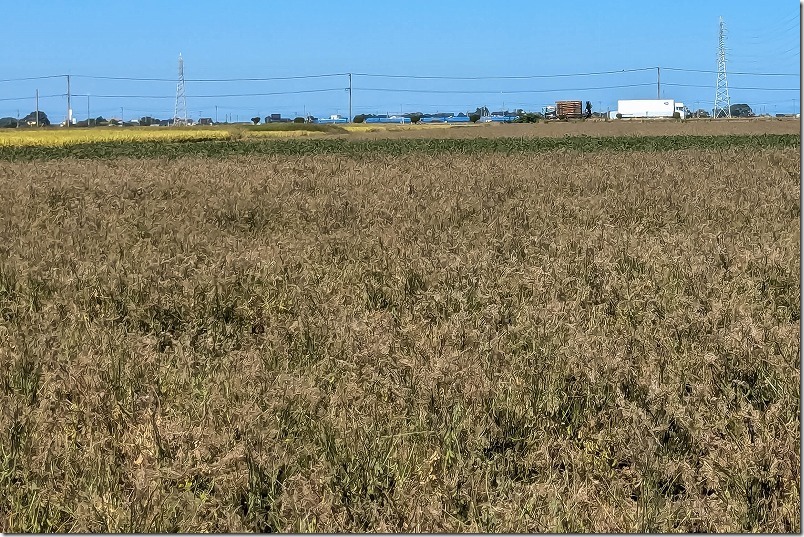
[(569, 109)]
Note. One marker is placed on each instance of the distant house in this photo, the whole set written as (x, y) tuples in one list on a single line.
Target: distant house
[(205, 121), (277, 118), (334, 118)]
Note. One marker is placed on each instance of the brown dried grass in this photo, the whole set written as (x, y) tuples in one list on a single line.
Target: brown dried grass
[(402, 344), (598, 128)]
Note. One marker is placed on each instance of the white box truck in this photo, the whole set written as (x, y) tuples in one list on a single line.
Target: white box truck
[(649, 108)]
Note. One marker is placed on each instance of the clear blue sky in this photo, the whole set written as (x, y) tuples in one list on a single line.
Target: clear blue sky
[(460, 38)]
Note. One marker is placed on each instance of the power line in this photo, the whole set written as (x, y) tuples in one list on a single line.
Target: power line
[(776, 29), (732, 87), (30, 97), (382, 75), (31, 78), (326, 75), (518, 77), (503, 92), (259, 79), (218, 96), (731, 72)]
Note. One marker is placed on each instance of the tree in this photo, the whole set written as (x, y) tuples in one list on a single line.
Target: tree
[(474, 118), (359, 118), (588, 109), (298, 120), (528, 117), (741, 110), (701, 113), (31, 118), (482, 111), (415, 118), (255, 120), (8, 123)]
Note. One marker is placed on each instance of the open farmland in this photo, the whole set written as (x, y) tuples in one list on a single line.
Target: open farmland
[(60, 137), (596, 128), (472, 335), (56, 137)]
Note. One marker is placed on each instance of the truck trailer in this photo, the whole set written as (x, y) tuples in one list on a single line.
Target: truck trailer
[(564, 110), (649, 108), (569, 109)]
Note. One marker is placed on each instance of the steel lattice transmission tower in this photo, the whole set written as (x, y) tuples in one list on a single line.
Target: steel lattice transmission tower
[(180, 113), (722, 101)]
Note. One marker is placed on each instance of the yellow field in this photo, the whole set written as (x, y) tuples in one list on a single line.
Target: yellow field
[(48, 137)]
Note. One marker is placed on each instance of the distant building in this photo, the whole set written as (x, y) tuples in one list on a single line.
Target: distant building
[(335, 118), (277, 118), (205, 121)]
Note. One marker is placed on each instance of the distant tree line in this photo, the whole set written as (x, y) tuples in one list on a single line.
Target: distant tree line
[(29, 120), (737, 110), (414, 117)]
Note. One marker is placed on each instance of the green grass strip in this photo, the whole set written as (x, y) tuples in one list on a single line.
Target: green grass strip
[(356, 148)]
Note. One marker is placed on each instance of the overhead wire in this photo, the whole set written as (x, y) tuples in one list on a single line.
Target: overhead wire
[(24, 78), (218, 96), (730, 72), (30, 97), (512, 77), (498, 92), (369, 89), (730, 87), (254, 79)]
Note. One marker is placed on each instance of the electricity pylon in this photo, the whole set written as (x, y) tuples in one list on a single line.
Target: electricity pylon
[(722, 102), (180, 113)]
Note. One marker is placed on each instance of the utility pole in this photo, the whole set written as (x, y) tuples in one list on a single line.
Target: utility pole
[(37, 108), (658, 83), (87, 110), (350, 97), (216, 113), (122, 119), (69, 107)]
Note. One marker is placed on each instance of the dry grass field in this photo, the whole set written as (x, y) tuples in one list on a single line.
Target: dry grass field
[(596, 128), (59, 137), (542, 342)]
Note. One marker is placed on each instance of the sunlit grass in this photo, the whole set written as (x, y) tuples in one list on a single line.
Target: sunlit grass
[(63, 136)]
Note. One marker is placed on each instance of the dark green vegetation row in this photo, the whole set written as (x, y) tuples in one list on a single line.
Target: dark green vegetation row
[(210, 148)]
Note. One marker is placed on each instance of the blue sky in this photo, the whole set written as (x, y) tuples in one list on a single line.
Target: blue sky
[(451, 38)]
